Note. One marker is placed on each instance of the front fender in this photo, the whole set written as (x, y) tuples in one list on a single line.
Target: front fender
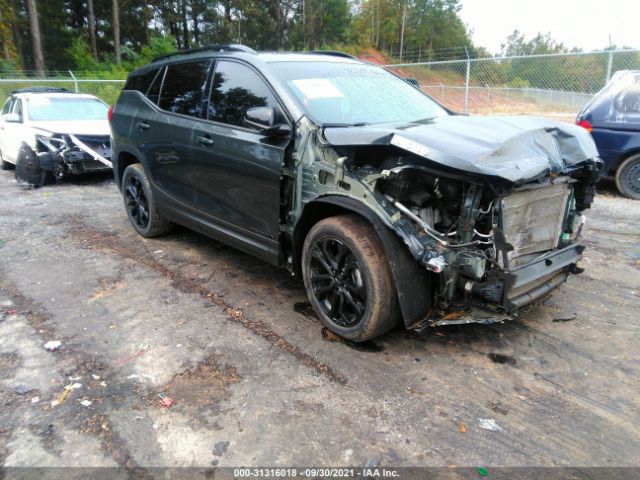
[(411, 280)]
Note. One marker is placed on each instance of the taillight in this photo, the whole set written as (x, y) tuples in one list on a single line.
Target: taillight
[(110, 113), (586, 124)]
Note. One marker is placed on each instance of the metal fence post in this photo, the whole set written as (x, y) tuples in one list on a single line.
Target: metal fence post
[(466, 81), (75, 81), (609, 66)]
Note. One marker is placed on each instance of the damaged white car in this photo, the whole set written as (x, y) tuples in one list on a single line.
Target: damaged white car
[(48, 133)]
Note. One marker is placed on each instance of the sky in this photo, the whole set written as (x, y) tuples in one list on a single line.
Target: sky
[(584, 24)]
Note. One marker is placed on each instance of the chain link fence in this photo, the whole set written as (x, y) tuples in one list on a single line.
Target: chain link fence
[(107, 90), (552, 84)]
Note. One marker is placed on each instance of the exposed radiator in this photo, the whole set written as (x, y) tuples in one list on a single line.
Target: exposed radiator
[(532, 218)]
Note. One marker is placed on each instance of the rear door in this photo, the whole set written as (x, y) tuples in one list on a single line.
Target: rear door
[(165, 134), (237, 169)]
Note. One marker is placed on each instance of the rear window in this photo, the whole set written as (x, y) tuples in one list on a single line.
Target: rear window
[(141, 81), (183, 89)]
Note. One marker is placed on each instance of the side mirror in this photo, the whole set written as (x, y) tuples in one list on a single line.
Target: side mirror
[(261, 117), (264, 119), (11, 117)]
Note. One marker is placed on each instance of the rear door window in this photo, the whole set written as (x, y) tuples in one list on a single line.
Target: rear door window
[(141, 81), (183, 89), (235, 89)]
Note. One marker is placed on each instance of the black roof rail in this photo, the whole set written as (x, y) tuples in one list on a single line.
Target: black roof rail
[(223, 47), (41, 90), (334, 53)]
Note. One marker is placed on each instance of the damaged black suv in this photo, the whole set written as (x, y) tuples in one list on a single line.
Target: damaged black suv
[(391, 208)]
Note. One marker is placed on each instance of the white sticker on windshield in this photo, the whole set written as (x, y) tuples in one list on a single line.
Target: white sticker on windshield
[(317, 88)]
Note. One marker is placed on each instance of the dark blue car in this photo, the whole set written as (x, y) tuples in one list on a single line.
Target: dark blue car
[(613, 118)]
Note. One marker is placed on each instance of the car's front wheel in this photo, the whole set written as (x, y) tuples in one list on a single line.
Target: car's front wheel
[(140, 203), (4, 165), (628, 177), (347, 278)]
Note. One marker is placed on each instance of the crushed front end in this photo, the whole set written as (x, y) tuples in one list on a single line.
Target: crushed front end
[(65, 154), (497, 231), (493, 253)]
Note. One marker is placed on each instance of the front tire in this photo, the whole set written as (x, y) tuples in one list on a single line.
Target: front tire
[(4, 165), (628, 177), (347, 278), (140, 203)]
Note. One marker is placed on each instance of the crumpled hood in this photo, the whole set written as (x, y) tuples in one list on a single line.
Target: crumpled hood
[(85, 127), (517, 149)]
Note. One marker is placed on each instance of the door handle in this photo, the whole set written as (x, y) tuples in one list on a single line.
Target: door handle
[(142, 125), (206, 141)]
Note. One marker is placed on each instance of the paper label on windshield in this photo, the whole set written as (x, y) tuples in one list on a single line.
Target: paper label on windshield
[(317, 88)]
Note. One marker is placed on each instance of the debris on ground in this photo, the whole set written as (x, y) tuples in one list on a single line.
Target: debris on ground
[(483, 472), (165, 401), (53, 345), (35, 399), (22, 389), (373, 462), (489, 424), (498, 407), (462, 427), (12, 312), (565, 317), (123, 360), (85, 403), (219, 448)]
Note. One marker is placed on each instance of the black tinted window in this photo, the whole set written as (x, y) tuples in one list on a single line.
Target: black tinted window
[(7, 106), (153, 93), (235, 89), (184, 86), (141, 81)]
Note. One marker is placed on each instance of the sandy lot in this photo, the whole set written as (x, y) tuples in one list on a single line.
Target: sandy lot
[(257, 382)]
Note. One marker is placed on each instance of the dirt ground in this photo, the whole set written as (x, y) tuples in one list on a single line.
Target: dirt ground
[(257, 382)]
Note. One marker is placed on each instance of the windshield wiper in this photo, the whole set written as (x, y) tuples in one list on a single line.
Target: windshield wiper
[(338, 125)]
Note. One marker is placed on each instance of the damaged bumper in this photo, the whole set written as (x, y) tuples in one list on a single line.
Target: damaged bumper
[(67, 153)]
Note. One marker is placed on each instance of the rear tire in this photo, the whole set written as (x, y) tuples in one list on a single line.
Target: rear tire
[(140, 203), (348, 280), (628, 177)]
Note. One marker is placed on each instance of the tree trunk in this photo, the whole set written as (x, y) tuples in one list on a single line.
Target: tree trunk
[(185, 24), (195, 12), (36, 42), (92, 30), (116, 31)]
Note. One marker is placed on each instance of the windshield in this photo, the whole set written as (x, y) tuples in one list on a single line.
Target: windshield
[(43, 108), (352, 94)]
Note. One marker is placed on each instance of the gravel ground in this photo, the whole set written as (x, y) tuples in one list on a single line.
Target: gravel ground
[(255, 379)]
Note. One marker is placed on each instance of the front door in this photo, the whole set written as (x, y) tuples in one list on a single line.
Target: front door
[(238, 169)]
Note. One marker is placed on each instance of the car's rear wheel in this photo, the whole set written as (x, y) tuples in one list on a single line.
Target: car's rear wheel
[(140, 204), (347, 278), (628, 177)]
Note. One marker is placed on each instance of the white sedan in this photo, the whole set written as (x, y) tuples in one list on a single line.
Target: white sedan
[(48, 133)]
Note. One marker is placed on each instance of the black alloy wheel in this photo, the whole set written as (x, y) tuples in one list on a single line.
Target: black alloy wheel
[(136, 202), (337, 281)]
